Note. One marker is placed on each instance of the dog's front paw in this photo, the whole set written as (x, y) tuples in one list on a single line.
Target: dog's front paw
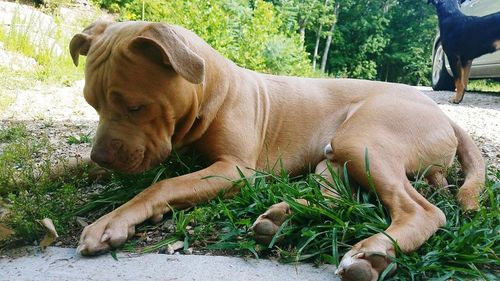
[(108, 232), (363, 266)]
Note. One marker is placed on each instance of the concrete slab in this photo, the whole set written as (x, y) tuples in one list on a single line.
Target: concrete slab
[(63, 264)]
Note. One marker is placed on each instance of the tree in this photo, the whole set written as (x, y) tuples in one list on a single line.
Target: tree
[(326, 17), (330, 36), (301, 14), (407, 58), (359, 39)]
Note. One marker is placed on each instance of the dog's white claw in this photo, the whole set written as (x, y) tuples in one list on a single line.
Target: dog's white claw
[(355, 267), (80, 249), (339, 270), (346, 262)]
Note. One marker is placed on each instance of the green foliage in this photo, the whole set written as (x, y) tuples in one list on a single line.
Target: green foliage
[(411, 33), (113, 5), (247, 34), (487, 85), (396, 41), (16, 159), (13, 132), (56, 201), (382, 40)]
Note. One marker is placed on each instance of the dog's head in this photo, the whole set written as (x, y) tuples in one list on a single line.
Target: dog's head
[(142, 79)]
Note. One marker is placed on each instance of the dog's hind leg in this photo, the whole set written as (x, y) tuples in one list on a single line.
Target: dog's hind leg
[(437, 179), (413, 218)]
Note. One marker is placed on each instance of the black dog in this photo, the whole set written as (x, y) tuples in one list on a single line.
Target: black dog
[(465, 38)]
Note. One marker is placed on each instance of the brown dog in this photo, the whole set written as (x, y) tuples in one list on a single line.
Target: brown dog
[(158, 87)]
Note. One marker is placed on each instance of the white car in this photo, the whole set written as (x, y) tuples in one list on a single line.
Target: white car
[(486, 66)]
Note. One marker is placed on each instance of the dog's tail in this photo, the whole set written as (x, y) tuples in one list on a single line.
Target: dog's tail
[(473, 166)]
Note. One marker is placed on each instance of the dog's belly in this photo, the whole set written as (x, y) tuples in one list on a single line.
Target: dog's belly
[(295, 140), (294, 163), (297, 144)]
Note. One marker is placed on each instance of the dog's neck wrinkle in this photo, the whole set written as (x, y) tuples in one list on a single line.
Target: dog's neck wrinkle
[(208, 99), (187, 124)]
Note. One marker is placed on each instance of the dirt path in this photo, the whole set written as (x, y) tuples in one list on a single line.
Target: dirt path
[(60, 112)]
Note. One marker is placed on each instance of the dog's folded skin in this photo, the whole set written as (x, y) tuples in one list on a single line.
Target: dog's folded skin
[(158, 87)]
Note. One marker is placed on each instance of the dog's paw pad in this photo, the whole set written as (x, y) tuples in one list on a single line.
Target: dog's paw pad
[(267, 224)]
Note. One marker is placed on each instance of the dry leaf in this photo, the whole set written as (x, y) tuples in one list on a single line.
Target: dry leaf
[(50, 235), (171, 248), (81, 221), (5, 232)]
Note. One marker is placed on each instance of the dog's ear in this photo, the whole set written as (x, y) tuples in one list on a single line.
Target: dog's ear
[(80, 44), (171, 50)]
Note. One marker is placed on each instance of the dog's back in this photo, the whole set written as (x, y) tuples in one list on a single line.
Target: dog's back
[(467, 36)]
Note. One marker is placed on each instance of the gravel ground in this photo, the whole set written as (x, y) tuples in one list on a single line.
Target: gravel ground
[(62, 112), (478, 114), (55, 112)]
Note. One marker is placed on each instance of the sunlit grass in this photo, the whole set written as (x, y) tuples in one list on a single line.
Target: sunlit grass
[(54, 65), (485, 85)]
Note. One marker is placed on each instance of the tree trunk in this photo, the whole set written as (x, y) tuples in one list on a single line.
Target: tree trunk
[(329, 38), (316, 47), (302, 31), (318, 38)]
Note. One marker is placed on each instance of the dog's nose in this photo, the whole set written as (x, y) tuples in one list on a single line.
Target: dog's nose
[(105, 155)]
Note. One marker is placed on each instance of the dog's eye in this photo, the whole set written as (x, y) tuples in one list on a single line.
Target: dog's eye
[(135, 108)]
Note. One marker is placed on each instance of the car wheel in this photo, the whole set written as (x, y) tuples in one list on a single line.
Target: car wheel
[(441, 80)]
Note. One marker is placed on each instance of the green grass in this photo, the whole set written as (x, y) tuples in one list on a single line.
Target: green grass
[(466, 248), (13, 132), (29, 188), (485, 85), (79, 139)]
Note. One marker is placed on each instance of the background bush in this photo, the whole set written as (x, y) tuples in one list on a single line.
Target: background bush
[(247, 32)]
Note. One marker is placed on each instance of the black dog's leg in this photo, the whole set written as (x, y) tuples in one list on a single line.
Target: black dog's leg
[(465, 77), (461, 79), (458, 72)]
